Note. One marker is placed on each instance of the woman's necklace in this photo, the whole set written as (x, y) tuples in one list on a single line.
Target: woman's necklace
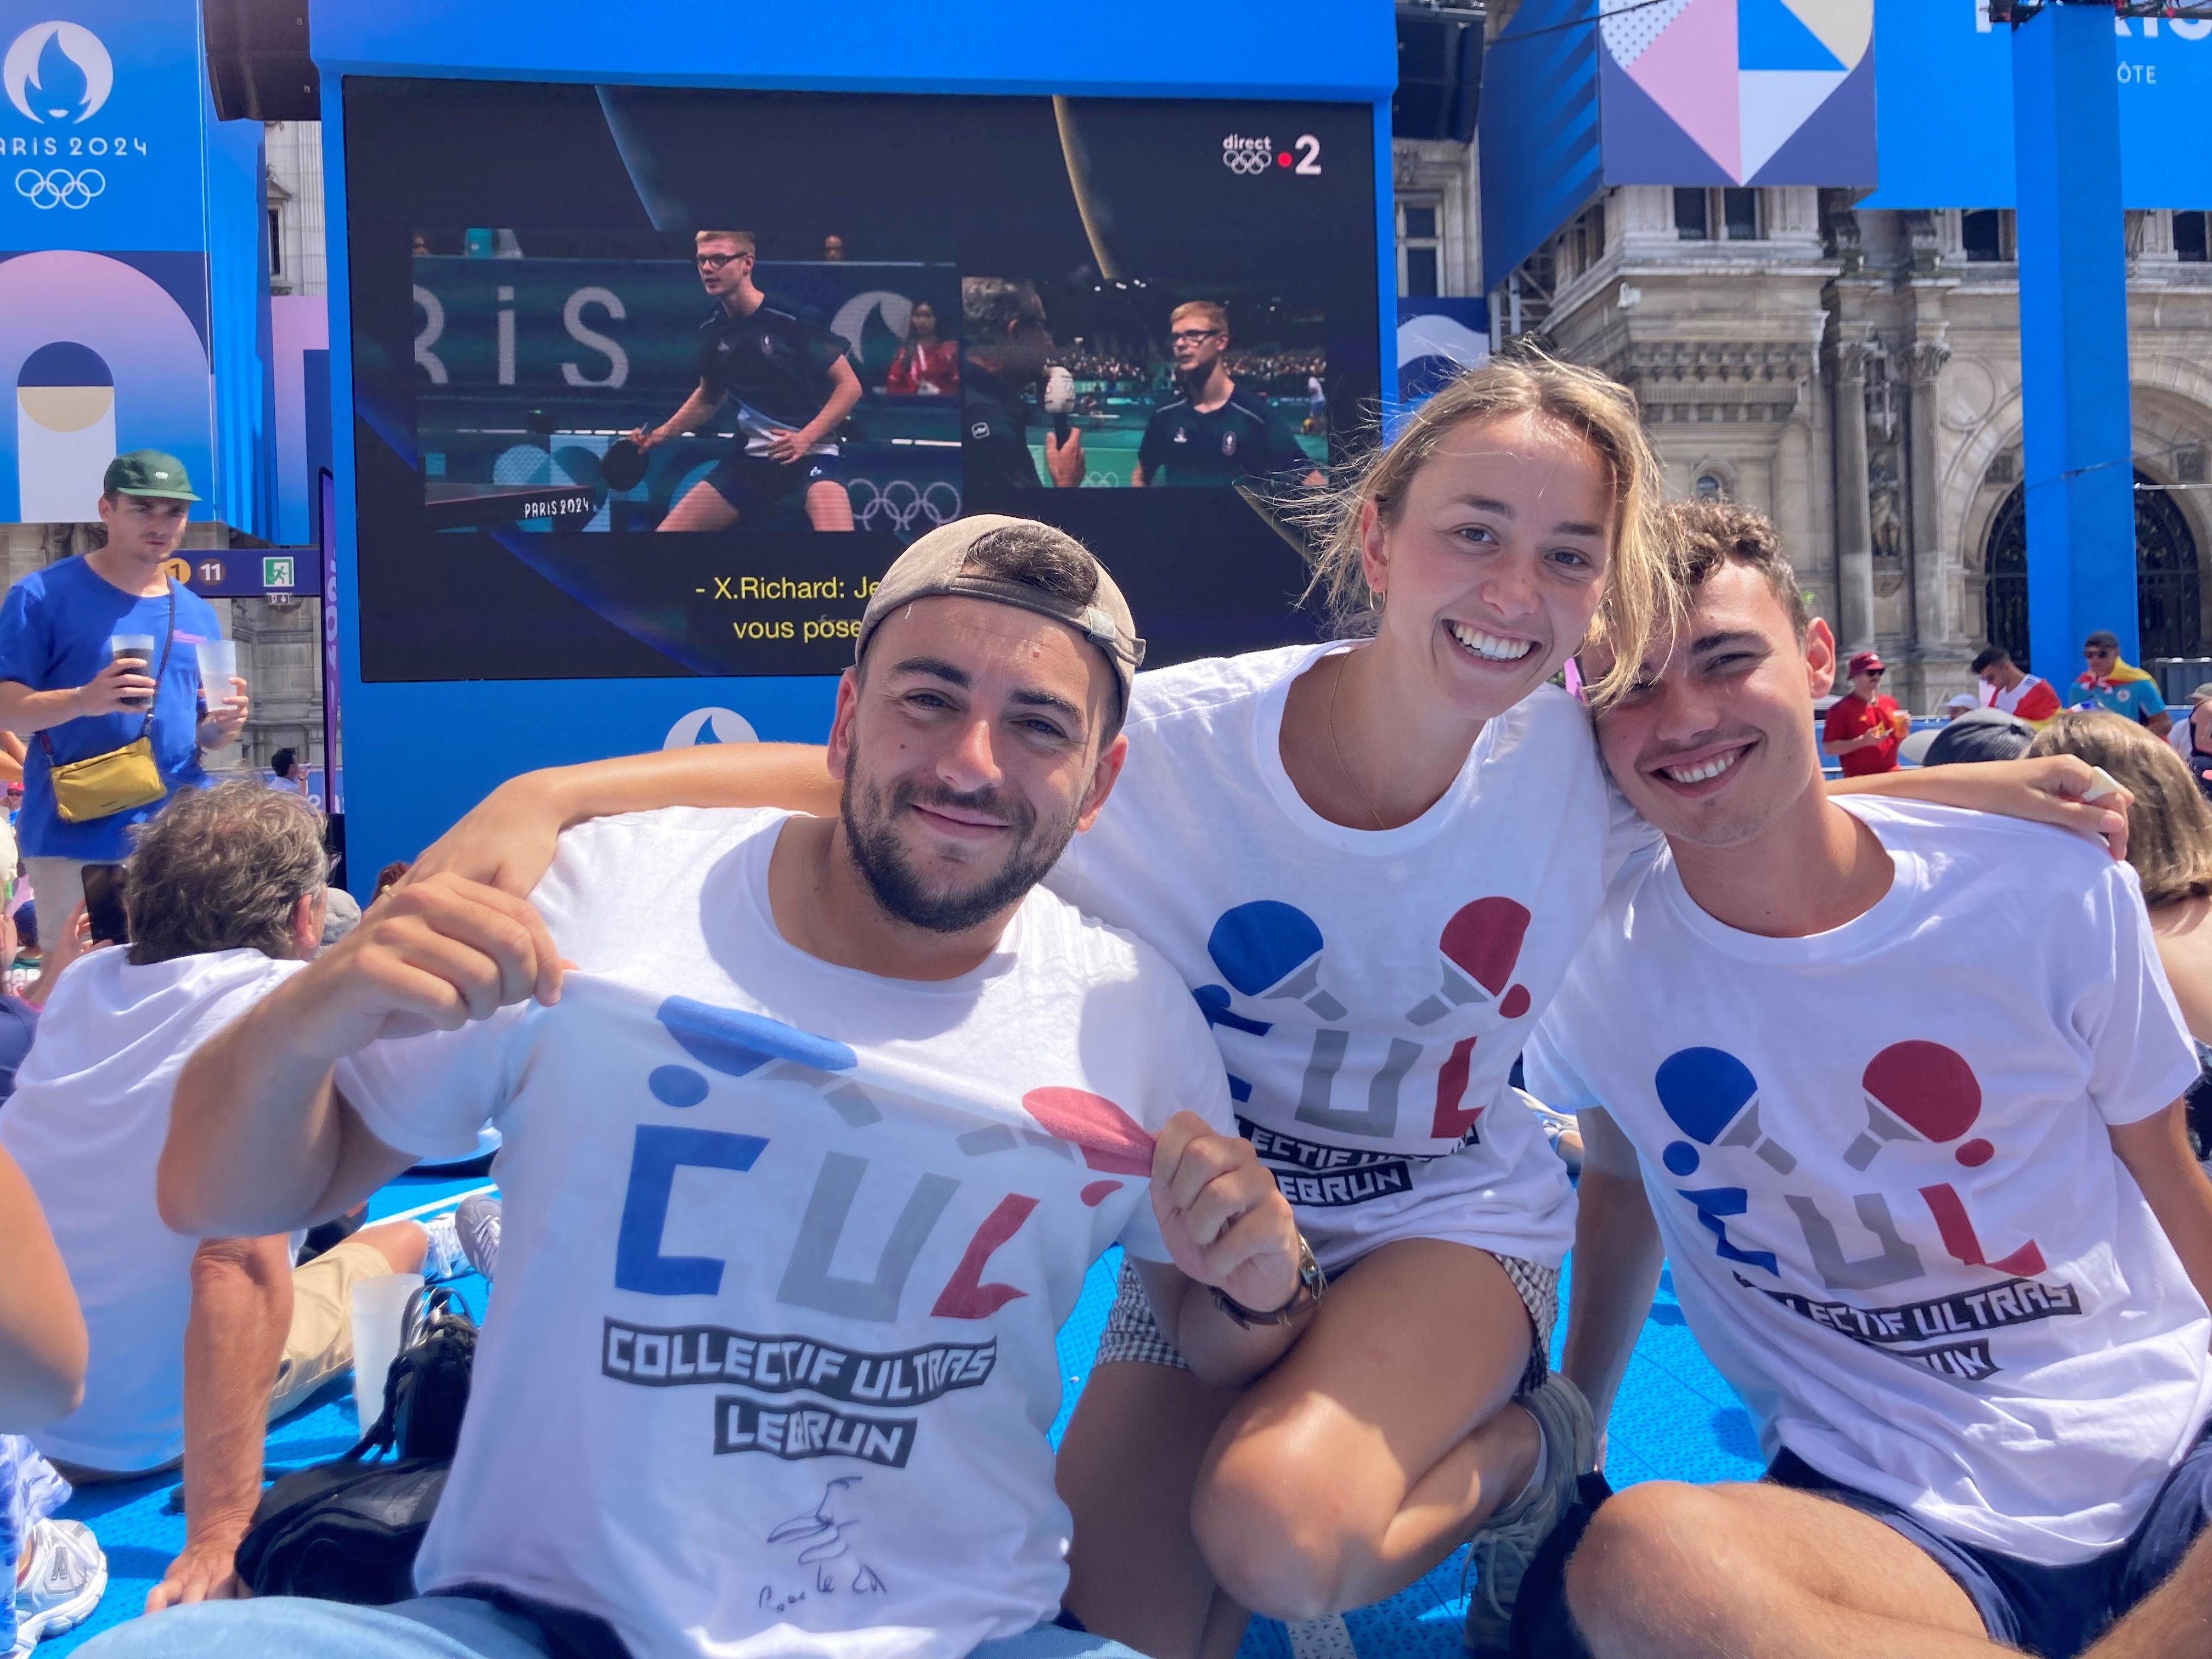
[(1351, 777)]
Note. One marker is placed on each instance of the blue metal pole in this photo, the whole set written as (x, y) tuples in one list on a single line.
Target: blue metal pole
[(2073, 334)]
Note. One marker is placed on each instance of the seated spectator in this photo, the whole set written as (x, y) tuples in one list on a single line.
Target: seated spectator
[(2170, 845), (926, 365), (864, 1104), (1949, 1247), (72, 938), (1979, 734), (195, 1345), (2192, 738), (341, 915), (19, 1018), (51, 1572)]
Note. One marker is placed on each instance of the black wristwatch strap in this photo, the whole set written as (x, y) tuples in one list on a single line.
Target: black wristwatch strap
[(1313, 1283)]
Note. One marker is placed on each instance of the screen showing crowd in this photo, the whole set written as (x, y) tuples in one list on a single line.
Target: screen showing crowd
[(759, 320)]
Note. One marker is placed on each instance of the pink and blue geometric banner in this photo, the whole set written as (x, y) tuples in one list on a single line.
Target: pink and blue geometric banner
[(1739, 92)]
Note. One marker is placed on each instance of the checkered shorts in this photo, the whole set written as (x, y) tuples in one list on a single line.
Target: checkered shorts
[(1133, 1334)]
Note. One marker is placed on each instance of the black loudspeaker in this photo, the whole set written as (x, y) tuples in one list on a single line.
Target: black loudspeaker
[(1439, 71), (257, 63)]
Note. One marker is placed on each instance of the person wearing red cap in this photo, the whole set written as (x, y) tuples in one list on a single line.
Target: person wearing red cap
[(1864, 728)]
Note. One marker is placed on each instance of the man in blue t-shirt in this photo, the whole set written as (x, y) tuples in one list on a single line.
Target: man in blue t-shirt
[(2118, 687), (63, 687)]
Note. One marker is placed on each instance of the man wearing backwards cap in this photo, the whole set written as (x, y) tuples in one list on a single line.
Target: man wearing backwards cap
[(1863, 727), (802, 1175), (60, 680)]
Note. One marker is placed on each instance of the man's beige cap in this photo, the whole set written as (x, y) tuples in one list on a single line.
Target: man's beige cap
[(937, 564)]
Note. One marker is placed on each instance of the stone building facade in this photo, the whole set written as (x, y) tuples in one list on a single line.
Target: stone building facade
[(1856, 374)]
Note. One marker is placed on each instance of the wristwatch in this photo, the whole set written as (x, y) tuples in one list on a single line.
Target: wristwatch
[(1312, 1283)]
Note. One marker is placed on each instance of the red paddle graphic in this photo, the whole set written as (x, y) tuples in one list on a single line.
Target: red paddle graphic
[(1480, 946), (1108, 1137), (1919, 1086)]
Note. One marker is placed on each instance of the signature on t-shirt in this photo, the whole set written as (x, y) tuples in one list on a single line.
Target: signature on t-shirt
[(823, 1557)]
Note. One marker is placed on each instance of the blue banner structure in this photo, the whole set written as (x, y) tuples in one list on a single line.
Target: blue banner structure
[(1914, 97), (419, 752), (1437, 339), (133, 285), (1947, 101), (2077, 443)]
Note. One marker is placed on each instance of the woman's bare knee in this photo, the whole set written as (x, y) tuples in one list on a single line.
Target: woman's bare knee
[(1278, 1540)]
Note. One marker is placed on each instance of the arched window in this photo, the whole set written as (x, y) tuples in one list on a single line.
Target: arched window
[(2168, 597)]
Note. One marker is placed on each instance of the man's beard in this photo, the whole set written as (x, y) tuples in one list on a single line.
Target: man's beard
[(873, 843)]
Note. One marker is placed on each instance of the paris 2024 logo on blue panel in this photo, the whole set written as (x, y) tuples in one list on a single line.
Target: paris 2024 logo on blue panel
[(101, 132), (57, 74)]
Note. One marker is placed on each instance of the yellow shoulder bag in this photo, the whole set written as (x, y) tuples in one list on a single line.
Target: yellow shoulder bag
[(101, 786)]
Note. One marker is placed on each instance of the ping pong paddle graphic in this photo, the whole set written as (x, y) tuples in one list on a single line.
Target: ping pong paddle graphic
[(1924, 1090), (1917, 1090), (1108, 1137), (737, 1044), (1480, 946), (1713, 1098), (1267, 949)]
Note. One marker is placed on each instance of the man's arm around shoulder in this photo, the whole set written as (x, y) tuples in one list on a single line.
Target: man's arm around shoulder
[(259, 1141)]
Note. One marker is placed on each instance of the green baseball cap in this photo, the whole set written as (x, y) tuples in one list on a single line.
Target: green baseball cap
[(147, 472)]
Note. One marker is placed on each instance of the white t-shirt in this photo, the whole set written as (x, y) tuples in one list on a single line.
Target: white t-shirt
[(1369, 989), (785, 1248), (1879, 1157), (87, 1122)]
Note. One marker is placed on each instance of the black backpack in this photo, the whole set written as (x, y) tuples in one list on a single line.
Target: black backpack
[(349, 1530)]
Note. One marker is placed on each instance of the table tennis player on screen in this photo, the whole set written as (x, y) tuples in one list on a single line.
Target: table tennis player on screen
[(791, 385)]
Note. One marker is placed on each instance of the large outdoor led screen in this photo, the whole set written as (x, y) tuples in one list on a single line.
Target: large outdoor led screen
[(656, 381)]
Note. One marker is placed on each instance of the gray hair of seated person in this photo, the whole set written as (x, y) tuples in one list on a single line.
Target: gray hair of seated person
[(223, 869)]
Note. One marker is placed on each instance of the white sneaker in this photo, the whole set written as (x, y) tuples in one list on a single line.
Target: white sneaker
[(67, 1576), (477, 1223), (442, 1256)]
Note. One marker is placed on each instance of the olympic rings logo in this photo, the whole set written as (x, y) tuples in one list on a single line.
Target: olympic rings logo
[(60, 188), (901, 506), (1246, 162)]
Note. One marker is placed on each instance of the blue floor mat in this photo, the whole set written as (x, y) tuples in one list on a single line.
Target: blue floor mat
[(1675, 1420)]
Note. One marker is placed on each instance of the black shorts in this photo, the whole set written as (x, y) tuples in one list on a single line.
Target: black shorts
[(753, 483), (2054, 1612)]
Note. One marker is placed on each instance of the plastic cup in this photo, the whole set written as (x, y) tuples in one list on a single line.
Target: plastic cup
[(140, 648), (218, 662), (379, 1308)]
